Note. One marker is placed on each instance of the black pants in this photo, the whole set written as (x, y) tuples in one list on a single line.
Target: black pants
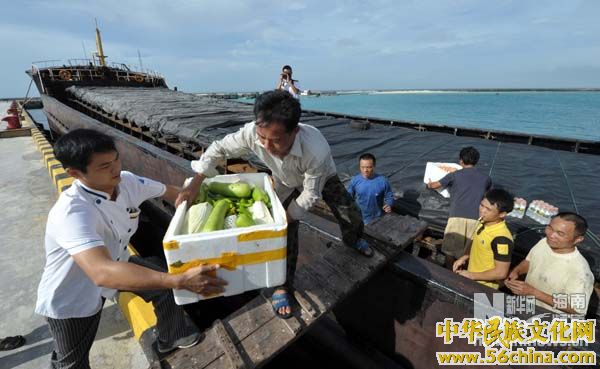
[(73, 337), (344, 209)]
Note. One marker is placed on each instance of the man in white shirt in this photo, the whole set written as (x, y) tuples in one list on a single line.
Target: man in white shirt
[(300, 160), (287, 83), (87, 261), (554, 267)]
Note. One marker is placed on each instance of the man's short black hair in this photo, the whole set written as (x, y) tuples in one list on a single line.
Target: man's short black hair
[(469, 155), (367, 156), (581, 225), (286, 67), (75, 149), (502, 199), (277, 106)]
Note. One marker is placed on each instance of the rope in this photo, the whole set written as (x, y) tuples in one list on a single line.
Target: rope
[(567, 181), (494, 161)]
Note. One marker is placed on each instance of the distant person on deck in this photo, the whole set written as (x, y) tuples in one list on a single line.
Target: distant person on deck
[(491, 250), (303, 170), (286, 83), (554, 267), (466, 187), (370, 190)]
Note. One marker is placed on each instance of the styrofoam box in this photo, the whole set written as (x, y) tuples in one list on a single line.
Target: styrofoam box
[(237, 248), (434, 172)]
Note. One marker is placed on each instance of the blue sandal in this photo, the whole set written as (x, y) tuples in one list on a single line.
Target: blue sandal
[(363, 248), (278, 301)]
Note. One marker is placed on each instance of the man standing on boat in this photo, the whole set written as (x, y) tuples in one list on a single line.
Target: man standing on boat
[(300, 160), (371, 191), (286, 83), (467, 187)]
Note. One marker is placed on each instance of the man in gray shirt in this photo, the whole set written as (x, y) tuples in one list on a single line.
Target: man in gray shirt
[(467, 187)]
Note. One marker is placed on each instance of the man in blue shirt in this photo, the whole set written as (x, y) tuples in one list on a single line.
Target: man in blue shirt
[(370, 190)]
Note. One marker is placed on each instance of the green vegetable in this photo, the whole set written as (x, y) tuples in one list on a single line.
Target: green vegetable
[(202, 193), (196, 216), (239, 189), (217, 216), (244, 220), (259, 195)]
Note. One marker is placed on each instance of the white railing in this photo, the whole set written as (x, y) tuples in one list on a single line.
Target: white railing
[(87, 69)]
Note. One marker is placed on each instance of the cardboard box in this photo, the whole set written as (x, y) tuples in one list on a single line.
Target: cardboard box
[(250, 257), (437, 171)]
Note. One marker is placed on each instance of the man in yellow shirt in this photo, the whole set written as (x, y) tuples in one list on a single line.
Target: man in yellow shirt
[(490, 252)]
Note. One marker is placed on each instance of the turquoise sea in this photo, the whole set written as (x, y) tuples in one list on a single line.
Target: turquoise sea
[(560, 114)]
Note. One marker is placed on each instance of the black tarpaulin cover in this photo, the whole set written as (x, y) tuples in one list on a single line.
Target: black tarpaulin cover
[(565, 179)]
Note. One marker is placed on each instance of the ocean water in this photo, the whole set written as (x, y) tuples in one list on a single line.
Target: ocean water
[(559, 114)]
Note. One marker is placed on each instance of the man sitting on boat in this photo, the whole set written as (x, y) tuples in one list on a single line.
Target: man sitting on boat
[(370, 190), (490, 252), (300, 160), (87, 260), (466, 187), (557, 274)]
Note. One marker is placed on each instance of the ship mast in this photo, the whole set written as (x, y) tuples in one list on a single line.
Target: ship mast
[(99, 51)]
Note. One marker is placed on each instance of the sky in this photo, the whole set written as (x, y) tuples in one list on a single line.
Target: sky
[(219, 46)]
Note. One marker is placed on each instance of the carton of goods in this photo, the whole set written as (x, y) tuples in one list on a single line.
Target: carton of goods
[(436, 171), (236, 221)]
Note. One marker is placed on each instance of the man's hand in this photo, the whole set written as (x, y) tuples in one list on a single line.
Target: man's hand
[(513, 275), (465, 273), (190, 192), (387, 208), (459, 263), (202, 280), (520, 288)]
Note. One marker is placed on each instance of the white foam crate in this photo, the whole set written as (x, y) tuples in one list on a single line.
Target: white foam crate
[(237, 250), (434, 172)]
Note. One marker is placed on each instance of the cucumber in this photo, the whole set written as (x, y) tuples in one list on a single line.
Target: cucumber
[(239, 189), (216, 219)]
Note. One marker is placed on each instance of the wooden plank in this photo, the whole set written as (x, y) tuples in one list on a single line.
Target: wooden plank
[(228, 346), (327, 275)]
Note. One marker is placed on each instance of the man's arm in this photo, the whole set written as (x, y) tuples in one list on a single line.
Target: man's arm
[(519, 270), (352, 188), (293, 87), (388, 197), (522, 288), (233, 145), (171, 193), (433, 185), (105, 272), (499, 272), (444, 182), (314, 181)]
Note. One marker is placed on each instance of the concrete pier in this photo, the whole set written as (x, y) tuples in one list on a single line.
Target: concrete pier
[(27, 194)]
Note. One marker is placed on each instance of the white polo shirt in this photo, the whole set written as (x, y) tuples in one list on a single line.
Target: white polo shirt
[(81, 219)]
